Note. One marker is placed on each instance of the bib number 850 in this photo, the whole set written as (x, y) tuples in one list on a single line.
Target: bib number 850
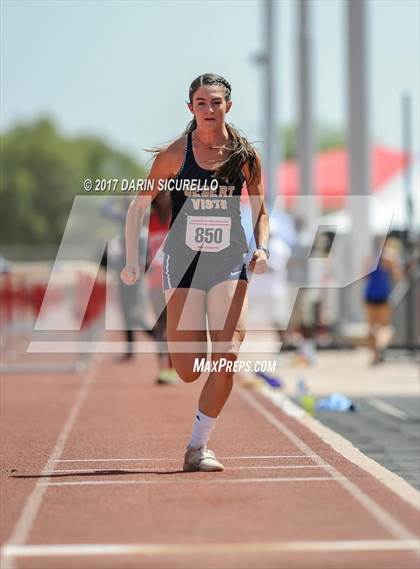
[(208, 235)]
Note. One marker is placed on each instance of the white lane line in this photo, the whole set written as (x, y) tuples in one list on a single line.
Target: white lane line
[(135, 470), (345, 448), (104, 549), (194, 481), (262, 457), (386, 520), (282, 401), (33, 503), (387, 408)]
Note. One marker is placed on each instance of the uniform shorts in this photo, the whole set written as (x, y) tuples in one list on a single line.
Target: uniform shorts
[(203, 271)]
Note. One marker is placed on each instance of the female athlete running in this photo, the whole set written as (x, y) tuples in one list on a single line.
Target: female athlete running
[(204, 274)]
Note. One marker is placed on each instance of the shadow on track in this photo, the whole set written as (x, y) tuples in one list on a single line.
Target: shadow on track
[(107, 472)]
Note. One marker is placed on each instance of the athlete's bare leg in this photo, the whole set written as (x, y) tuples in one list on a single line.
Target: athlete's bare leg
[(159, 307), (226, 311), (186, 325), (380, 329)]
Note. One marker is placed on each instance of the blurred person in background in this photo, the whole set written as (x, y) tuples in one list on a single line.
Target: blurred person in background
[(303, 317), (133, 300), (160, 214), (377, 292)]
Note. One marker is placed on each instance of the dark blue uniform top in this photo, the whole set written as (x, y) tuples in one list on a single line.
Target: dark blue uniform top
[(210, 198)]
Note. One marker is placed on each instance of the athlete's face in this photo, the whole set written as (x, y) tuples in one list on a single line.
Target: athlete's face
[(209, 107)]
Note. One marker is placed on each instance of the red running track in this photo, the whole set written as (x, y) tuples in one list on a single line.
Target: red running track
[(91, 479)]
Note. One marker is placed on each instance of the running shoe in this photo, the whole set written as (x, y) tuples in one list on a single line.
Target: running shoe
[(167, 377), (201, 459)]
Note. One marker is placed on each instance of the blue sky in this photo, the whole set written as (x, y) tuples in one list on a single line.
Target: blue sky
[(121, 70)]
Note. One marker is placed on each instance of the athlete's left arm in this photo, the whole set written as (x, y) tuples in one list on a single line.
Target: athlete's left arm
[(258, 263)]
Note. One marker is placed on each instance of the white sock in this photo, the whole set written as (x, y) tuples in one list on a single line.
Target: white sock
[(203, 426)]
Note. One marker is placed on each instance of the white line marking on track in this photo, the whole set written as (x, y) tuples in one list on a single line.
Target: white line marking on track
[(344, 447), (386, 520), (195, 481), (387, 408), (282, 401), (33, 503), (262, 457), (135, 470), (104, 549)]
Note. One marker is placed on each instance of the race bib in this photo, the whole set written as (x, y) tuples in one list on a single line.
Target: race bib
[(209, 234)]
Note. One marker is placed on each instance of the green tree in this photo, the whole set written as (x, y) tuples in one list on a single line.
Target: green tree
[(325, 138), (42, 171)]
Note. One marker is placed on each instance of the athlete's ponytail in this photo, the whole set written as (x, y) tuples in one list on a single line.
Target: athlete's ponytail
[(192, 125)]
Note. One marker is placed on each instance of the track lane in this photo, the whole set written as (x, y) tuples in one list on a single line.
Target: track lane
[(125, 415)]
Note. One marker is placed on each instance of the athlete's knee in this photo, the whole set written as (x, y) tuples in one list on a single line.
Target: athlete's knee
[(229, 348), (185, 368), (187, 375), (239, 337)]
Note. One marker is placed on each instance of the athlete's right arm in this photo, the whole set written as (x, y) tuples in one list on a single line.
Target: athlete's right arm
[(164, 166)]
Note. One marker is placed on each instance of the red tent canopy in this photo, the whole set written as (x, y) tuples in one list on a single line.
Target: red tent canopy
[(331, 174)]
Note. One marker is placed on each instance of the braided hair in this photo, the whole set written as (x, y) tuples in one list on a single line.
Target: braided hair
[(240, 150)]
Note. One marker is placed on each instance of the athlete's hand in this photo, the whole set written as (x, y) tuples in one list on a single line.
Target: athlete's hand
[(259, 262), (130, 274)]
